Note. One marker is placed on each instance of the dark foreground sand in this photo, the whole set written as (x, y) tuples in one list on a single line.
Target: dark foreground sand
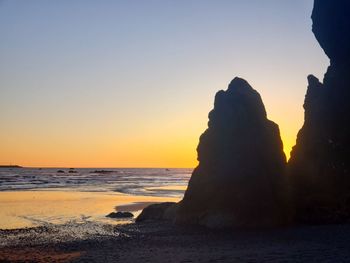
[(155, 242)]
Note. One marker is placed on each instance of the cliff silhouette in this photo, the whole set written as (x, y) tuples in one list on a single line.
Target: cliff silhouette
[(243, 180), (319, 167)]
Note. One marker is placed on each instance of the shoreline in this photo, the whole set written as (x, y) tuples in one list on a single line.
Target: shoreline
[(41, 207)]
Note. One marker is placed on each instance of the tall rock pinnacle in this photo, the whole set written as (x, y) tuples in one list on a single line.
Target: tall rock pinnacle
[(240, 177)]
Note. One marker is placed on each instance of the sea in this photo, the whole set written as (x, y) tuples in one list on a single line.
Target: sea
[(56, 197), (134, 181)]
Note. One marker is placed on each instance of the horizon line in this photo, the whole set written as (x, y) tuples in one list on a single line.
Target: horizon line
[(98, 167)]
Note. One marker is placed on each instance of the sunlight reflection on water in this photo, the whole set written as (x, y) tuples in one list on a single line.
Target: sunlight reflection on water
[(32, 197)]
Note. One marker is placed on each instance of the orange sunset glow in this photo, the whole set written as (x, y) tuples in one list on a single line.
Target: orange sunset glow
[(123, 99)]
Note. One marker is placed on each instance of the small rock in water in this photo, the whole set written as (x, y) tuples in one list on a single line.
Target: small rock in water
[(120, 215), (60, 171)]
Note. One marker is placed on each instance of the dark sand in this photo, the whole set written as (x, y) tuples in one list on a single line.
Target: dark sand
[(158, 242)]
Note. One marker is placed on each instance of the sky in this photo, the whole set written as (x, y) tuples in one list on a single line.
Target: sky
[(129, 83)]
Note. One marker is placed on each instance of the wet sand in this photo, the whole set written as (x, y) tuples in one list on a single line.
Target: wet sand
[(134, 207), (19, 209), (159, 242)]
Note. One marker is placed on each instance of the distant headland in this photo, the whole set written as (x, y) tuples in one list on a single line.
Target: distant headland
[(10, 166)]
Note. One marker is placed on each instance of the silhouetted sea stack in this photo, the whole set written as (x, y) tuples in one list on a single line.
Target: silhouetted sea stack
[(240, 180), (320, 161), (240, 177)]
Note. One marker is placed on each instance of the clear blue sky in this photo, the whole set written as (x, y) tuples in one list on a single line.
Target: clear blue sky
[(106, 83)]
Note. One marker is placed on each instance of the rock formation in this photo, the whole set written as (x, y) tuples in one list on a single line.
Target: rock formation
[(158, 212), (320, 162), (120, 215), (331, 26), (240, 177)]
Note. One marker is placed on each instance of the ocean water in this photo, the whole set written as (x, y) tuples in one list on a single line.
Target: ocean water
[(134, 181), (77, 199)]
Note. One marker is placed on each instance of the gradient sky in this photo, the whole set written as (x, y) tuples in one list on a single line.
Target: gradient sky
[(130, 83)]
